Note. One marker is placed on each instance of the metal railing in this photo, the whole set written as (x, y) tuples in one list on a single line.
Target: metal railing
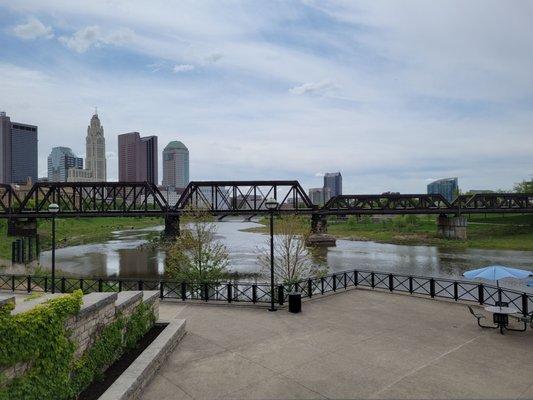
[(255, 293)]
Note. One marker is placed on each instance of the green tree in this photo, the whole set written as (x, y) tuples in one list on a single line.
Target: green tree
[(292, 260), (197, 255), (524, 187)]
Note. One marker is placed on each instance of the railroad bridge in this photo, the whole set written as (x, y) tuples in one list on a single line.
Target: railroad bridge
[(248, 198)]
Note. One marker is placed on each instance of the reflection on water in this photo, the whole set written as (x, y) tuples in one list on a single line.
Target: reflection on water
[(123, 257)]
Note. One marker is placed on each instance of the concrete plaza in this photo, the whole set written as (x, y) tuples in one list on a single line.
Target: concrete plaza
[(358, 344)]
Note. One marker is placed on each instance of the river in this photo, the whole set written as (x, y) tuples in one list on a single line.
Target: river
[(123, 256)]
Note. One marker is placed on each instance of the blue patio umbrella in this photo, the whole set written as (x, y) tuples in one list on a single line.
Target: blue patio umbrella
[(497, 272)]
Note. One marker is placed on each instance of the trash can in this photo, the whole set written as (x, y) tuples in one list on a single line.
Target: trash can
[(295, 302)]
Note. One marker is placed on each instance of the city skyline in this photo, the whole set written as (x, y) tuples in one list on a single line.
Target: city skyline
[(346, 85)]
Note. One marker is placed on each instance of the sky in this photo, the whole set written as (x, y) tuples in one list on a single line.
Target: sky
[(392, 94)]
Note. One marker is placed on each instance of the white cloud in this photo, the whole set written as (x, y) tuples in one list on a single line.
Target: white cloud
[(183, 68), (92, 36), (33, 29), (313, 87)]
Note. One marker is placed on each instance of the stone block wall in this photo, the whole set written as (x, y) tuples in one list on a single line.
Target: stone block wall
[(97, 311)]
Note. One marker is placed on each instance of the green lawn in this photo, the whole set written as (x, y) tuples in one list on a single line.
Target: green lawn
[(75, 231), (511, 232)]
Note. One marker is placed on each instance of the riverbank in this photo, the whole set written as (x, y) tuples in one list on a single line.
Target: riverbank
[(512, 232), (77, 231)]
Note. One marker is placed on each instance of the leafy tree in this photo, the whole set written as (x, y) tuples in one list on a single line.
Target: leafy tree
[(292, 260), (524, 187), (197, 255)]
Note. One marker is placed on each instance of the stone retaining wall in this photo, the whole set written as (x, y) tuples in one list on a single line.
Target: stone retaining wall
[(97, 311)]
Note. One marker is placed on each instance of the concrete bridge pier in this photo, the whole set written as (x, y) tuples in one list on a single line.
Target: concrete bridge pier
[(452, 227), (318, 235), (172, 226)]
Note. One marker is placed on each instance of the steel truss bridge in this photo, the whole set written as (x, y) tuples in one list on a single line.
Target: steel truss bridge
[(221, 198)]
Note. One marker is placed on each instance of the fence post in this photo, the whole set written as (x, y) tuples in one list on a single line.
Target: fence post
[(230, 292), (432, 287), (411, 285), (480, 294), (13, 283), (345, 281), (141, 284), (455, 290), (334, 282), (161, 289), (391, 282), (29, 283), (63, 280), (310, 287), (524, 305), (355, 277), (321, 285), (206, 292), (254, 293), (372, 280), (81, 284), (120, 285), (281, 295), (183, 291), (100, 285)]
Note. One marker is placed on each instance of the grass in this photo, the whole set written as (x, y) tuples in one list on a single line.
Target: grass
[(511, 232), (76, 231)]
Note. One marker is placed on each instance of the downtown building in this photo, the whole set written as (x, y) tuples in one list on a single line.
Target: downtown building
[(95, 158), (333, 182), (175, 165), (447, 187), (137, 158), (319, 196), (60, 161), (18, 151)]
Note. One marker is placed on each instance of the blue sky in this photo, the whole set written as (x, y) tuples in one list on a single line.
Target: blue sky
[(392, 94)]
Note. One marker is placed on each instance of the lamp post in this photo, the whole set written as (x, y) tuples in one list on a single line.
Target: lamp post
[(272, 205), (53, 209)]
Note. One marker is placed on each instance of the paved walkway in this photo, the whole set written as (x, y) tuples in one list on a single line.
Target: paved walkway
[(358, 344)]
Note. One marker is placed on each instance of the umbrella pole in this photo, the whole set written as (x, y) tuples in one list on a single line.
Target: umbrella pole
[(499, 294)]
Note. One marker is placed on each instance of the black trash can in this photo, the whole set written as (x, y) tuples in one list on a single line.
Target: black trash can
[(295, 302)]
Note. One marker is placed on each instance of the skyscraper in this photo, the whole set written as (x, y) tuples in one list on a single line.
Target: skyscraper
[(137, 158), (333, 181), (175, 165), (18, 151), (319, 196), (60, 161), (95, 160), (448, 187)]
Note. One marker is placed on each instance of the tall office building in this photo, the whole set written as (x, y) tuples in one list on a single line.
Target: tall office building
[(333, 181), (175, 165), (319, 196), (137, 158), (18, 151), (95, 160), (60, 161), (448, 187)]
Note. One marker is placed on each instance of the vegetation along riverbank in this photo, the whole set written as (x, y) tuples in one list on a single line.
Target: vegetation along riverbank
[(501, 232), (76, 231)]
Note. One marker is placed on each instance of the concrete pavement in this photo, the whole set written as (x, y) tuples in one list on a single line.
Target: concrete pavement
[(358, 344)]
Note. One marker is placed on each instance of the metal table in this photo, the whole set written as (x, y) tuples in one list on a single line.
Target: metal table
[(500, 317)]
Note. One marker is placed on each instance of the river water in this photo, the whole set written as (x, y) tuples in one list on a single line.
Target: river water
[(124, 256)]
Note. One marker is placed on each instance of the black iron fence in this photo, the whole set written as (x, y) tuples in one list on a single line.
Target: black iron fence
[(248, 292)]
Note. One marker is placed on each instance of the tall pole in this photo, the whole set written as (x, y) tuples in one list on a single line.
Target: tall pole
[(272, 307), (53, 253)]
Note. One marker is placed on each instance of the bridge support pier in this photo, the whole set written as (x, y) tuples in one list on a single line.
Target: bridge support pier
[(319, 236), (172, 226), (451, 227)]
